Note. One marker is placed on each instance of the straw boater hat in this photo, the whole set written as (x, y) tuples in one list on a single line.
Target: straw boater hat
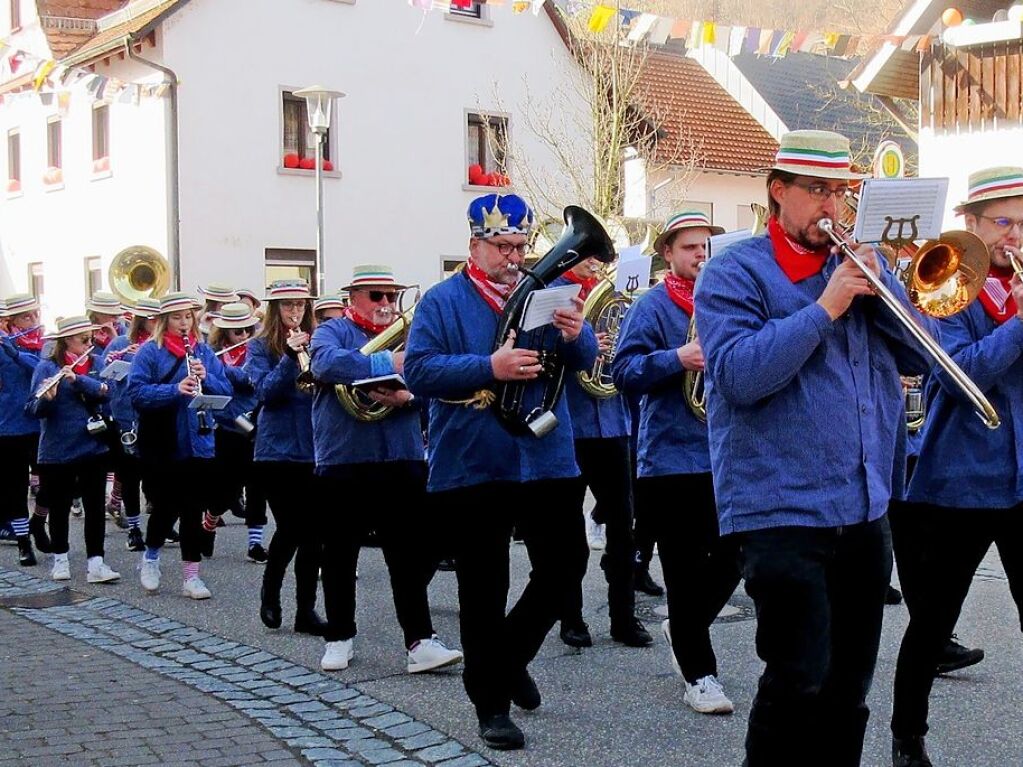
[(992, 184), (19, 303), (72, 326), (104, 303), (816, 153), (249, 294), (328, 302), (687, 219), (145, 307), (223, 294), (236, 315), (176, 302), (281, 290), (373, 276)]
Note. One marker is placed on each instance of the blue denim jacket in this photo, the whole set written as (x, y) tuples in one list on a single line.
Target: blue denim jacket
[(285, 424), (120, 403), (16, 369), (806, 415), (63, 437)]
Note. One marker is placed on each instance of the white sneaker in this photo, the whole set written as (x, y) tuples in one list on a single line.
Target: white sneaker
[(76, 507), (337, 655), (194, 588), (100, 572), (61, 569), (707, 696), (428, 654), (596, 535), (149, 574), (666, 630)]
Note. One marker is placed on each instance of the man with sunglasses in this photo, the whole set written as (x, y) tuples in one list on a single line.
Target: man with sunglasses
[(967, 485), (807, 431), (484, 479), (376, 471)]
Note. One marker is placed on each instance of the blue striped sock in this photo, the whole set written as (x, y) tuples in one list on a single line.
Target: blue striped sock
[(133, 522), (20, 526), (255, 535), (152, 555)]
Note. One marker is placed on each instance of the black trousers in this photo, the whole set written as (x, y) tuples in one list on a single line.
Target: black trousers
[(63, 481), (952, 543), (19, 453), (498, 644), (180, 490), (701, 568), (236, 471), (388, 497), (128, 471), (298, 507), (606, 469), (819, 596)]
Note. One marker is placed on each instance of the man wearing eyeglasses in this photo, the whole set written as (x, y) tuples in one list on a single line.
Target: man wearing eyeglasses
[(483, 478), (376, 470), (807, 431), (968, 481)]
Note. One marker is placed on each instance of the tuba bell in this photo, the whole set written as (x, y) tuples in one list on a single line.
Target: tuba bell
[(138, 272)]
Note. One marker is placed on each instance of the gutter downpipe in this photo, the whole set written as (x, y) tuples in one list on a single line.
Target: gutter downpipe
[(173, 175)]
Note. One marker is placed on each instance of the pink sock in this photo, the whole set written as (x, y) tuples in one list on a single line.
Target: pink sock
[(209, 523), (115, 493), (190, 569)]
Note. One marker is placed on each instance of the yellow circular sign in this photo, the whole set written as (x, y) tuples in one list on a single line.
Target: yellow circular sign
[(888, 161)]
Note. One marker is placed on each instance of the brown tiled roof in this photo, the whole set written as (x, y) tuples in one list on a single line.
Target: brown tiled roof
[(109, 39), (68, 24), (689, 106)]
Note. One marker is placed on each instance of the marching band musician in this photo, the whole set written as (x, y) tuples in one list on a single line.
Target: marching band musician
[(176, 451), (284, 454), (20, 347), (357, 460), (600, 428), (214, 295), (105, 309), (328, 308), (700, 567), (805, 414), (967, 479), (128, 471), (487, 480), (68, 397)]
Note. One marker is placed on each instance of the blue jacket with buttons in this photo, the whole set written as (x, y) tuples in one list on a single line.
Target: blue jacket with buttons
[(16, 368), (285, 424), (63, 437)]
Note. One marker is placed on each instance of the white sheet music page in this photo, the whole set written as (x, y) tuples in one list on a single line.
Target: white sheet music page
[(633, 273), (900, 209), (719, 242), (541, 304)]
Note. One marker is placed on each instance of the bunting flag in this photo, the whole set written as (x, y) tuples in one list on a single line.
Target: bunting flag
[(42, 72), (600, 18), (642, 27)]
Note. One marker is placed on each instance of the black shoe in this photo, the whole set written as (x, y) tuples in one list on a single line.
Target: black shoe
[(257, 554), (172, 536), (116, 515), (632, 634), (308, 622), (909, 752), (500, 732), (643, 582), (269, 609), (26, 557), (893, 596), (524, 693), (954, 657), (135, 541), (207, 541), (446, 565), (576, 634), (37, 527)]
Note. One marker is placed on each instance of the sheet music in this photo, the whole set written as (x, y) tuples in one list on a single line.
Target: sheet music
[(717, 243), (541, 304), (209, 402), (116, 370), (633, 274), (916, 206)]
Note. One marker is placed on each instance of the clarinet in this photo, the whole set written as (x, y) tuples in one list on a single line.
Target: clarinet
[(204, 424)]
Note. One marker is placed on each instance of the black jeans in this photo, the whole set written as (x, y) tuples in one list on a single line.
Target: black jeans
[(129, 474), (819, 595), (236, 471), (19, 453), (388, 497), (499, 644), (701, 568), (951, 545), (62, 481), (180, 490), (298, 508), (606, 469)]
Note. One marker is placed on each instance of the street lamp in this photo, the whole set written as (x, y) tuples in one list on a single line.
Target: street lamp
[(319, 102)]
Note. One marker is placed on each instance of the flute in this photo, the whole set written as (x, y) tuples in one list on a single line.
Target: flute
[(54, 380), (227, 349)]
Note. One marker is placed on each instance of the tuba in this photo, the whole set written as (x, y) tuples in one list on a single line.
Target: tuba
[(138, 272), (584, 237)]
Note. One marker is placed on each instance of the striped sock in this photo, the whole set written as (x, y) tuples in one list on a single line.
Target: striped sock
[(255, 535), (209, 522), (152, 555), (41, 511), (133, 522), (115, 494), (33, 480), (20, 526), (190, 569)]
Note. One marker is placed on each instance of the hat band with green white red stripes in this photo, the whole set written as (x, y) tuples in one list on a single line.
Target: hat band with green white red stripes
[(72, 326), (687, 219), (19, 305), (373, 278), (813, 158), (280, 292), (177, 303), (998, 184)]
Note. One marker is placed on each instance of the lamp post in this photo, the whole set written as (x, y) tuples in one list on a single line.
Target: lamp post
[(319, 102)]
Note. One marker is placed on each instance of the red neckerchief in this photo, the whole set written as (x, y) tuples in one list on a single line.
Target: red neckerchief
[(83, 367), (996, 297), (142, 337), (102, 338), (797, 262), (368, 325), (588, 283), (494, 293), (31, 342), (235, 357), (680, 291), (175, 344)]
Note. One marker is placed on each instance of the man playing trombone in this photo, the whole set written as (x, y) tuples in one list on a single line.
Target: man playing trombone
[(967, 478), (805, 412)]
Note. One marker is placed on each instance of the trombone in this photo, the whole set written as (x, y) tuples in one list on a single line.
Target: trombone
[(51, 383)]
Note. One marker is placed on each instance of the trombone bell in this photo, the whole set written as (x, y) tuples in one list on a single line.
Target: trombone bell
[(945, 275)]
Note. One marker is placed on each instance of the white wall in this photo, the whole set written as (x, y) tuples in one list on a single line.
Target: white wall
[(726, 194)]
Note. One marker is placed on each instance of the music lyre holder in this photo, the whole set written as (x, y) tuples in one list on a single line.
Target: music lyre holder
[(215, 402), (898, 211)]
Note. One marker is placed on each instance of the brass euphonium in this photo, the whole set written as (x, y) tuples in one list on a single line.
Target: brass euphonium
[(605, 310), (358, 404)]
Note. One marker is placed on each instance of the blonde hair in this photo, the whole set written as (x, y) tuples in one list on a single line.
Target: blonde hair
[(161, 325)]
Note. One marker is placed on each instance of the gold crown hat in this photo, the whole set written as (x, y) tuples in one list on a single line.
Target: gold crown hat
[(494, 214), (373, 276), (816, 153), (72, 326), (19, 303), (992, 184)]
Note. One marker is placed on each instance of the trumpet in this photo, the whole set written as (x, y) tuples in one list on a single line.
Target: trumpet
[(1014, 260), (305, 381), (204, 423), (53, 381)]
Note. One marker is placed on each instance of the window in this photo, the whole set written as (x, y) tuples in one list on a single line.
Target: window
[(35, 279), (473, 9), (53, 142), (448, 266), (297, 140), (15, 14), (14, 156), (101, 132), (290, 264), (93, 275), (486, 143)]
